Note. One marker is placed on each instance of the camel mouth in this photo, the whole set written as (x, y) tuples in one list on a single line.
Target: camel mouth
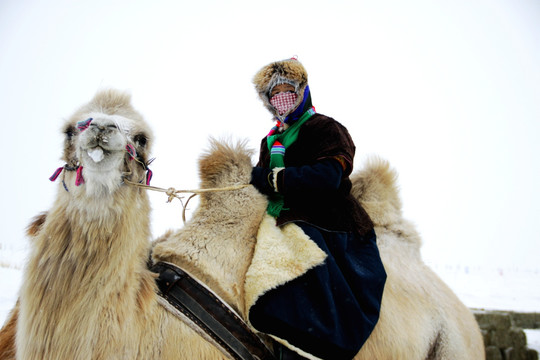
[(97, 154), (101, 144)]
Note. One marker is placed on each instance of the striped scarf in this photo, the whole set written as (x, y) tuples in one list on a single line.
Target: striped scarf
[(277, 143)]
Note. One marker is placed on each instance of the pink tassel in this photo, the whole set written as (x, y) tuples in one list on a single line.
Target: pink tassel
[(79, 180), (131, 151), (83, 125), (148, 176), (56, 173)]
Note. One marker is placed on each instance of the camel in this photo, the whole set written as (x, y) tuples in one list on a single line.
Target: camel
[(87, 292)]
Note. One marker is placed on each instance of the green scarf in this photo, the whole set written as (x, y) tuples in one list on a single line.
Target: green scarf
[(277, 143)]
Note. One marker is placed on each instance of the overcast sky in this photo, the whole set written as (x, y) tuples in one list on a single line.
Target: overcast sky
[(447, 91)]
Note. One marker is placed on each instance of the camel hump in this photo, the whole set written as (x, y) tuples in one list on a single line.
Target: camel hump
[(375, 187), (225, 163)]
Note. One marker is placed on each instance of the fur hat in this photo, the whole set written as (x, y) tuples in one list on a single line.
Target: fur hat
[(288, 71)]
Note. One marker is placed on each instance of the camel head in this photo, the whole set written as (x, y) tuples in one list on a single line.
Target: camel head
[(106, 141)]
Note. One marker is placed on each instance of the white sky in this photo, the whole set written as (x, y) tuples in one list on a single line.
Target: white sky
[(447, 91)]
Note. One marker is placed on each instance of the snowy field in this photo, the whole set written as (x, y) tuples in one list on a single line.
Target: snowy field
[(492, 289)]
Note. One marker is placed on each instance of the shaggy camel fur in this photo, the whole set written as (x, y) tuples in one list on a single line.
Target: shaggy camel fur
[(87, 293), (8, 331), (7, 335), (216, 245)]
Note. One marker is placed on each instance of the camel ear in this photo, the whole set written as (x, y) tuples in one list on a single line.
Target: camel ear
[(70, 132)]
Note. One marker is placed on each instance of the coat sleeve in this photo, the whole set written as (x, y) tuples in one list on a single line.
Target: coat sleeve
[(331, 153), (324, 175), (331, 140)]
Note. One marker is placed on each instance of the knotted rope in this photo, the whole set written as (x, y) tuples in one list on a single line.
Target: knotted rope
[(173, 193)]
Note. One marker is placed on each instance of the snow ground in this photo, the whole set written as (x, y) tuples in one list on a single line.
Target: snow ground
[(491, 289)]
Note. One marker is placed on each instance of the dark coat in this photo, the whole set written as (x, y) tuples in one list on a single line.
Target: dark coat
[(312, 192), (331, 310)]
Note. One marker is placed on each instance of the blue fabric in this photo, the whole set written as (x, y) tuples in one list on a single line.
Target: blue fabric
[(324, 175), (321, 176), (259, 179), (331, 310), (304, 105)]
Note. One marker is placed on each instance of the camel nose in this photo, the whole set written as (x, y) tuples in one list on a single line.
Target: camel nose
[(101, 128), (103, 131)]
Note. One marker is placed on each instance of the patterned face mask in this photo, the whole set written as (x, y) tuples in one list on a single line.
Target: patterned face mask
[(283, 101)]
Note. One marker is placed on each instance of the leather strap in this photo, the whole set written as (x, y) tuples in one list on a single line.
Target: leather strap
[(215, 318)]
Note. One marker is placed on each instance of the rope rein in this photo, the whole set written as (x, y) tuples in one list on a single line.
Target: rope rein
[(173, 193)]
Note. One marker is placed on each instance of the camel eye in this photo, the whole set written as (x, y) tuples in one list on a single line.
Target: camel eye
[(141, 140), (69, 132)]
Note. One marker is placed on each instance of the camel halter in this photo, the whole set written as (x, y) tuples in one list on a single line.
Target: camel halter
[(170, 192), (130, 149)]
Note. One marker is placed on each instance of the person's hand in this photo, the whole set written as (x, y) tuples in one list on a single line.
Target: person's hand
[(261, 178)]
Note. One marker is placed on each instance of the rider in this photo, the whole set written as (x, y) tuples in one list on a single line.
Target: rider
[(304, 167)]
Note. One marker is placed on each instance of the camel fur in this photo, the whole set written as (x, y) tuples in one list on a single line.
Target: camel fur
[(421, 317), (8, 331), (7, 334), (217, 244), (87, 293)]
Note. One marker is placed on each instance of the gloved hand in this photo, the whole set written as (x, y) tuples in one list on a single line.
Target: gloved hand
[(262, 179)]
